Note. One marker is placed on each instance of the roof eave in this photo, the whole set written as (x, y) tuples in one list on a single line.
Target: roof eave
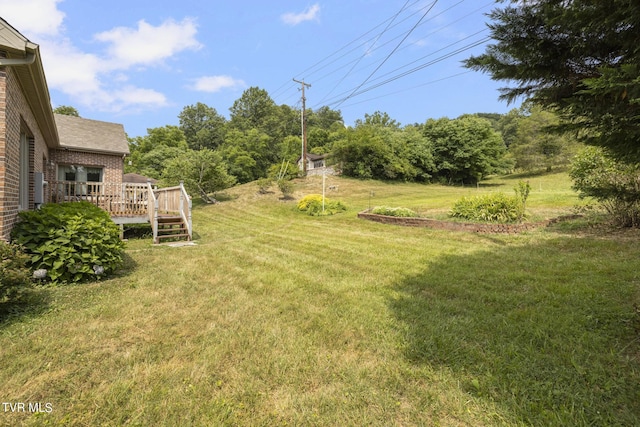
[(91, 150), (34, 86)]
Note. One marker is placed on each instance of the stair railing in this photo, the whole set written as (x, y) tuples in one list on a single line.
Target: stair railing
[(153, 212), (185, 209), (174, 201)]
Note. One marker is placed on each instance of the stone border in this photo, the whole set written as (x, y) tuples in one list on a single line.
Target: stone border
[(461, 226)]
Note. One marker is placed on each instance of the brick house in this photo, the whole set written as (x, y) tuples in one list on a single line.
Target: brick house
[(39, 148)]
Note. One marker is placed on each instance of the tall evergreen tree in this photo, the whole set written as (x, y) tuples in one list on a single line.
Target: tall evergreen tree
[(579, 57)]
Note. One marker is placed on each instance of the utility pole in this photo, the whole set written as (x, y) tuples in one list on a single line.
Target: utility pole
[(304, 127)]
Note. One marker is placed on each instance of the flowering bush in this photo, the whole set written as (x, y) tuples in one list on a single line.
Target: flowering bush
[(312, 204)]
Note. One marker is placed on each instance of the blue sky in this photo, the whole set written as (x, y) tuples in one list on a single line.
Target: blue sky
[(140, 62)]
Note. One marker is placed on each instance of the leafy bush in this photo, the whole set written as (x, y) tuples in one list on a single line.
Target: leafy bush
[(264, 184), (15, 277), (74, 241), (614, 184), (286, 187), (312, 204), (495, 207), (400, 212)]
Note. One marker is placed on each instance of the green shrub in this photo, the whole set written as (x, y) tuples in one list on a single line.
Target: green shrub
[(15, 277), (312, 204), (264, 184), (400, 212), (74, 241), (303, 204), (286, 187), (616, 185), (495, 207)]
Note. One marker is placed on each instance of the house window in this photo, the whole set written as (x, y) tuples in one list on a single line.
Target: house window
[(23, 187), (76, 179), (318, 164)]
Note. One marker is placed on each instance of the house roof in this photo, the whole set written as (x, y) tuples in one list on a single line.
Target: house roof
[(91, 135), (24, 57), (314, 157), (134, 178)]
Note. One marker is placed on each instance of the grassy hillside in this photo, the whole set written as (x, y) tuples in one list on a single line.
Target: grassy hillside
[(278, 318)]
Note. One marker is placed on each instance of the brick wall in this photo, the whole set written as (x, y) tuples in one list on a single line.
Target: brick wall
[(112, 165), (16, 118)]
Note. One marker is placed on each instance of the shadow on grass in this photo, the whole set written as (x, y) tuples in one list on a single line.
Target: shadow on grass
[(36, 300), (544, 332), (536, 173), (33, 303), (128, 266)]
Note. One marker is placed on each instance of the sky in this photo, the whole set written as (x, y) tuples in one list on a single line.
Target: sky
[(140, 62)]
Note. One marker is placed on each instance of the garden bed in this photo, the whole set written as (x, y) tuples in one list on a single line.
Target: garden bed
[(462, 226)]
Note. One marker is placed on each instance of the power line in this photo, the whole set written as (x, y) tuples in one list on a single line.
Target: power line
[(370, 84), (411, 44), (353, 41), (410, 88), (391, 53), (366, 52), (288, 83), (338, 101)]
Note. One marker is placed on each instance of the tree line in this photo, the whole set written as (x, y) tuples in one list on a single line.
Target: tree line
[(575, 63), (210, 152)]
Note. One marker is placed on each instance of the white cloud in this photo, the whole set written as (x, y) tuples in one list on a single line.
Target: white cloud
[(310, 14), (68, 69), (81, 76), (131, 95), (214, 84), (100, 81), (148, 44), (33, 18)]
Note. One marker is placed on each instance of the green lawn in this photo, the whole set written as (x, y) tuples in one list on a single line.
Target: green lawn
[(278, 318)]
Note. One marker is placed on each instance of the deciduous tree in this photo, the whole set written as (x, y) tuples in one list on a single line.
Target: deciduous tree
[(465, 149), (202, 126), (202, 171), (66, 110)]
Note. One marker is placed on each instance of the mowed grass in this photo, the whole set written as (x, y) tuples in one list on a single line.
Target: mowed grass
[(278, 318)]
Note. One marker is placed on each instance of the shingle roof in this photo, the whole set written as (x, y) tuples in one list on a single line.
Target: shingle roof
[(135, 178), (91, 135)]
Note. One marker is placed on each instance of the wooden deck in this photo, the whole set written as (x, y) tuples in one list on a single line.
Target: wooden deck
[(132, 204)]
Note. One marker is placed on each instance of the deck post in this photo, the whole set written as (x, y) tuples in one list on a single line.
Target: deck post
[(181, 196), (155, 221)]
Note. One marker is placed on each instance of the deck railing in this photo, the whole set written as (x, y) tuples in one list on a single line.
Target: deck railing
[(126, 200), (119, 199)]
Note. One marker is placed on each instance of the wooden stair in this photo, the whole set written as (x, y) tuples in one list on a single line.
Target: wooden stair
[(171, 228)]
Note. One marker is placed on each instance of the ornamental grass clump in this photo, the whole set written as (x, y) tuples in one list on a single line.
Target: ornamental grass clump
[(495, 207), (399, 212), (73, 242), (312, 205)]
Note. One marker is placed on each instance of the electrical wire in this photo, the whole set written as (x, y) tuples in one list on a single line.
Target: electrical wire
[(410, 44), (366, 52), (409, 88), (370, 84), (390, 54), (337, 100)]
